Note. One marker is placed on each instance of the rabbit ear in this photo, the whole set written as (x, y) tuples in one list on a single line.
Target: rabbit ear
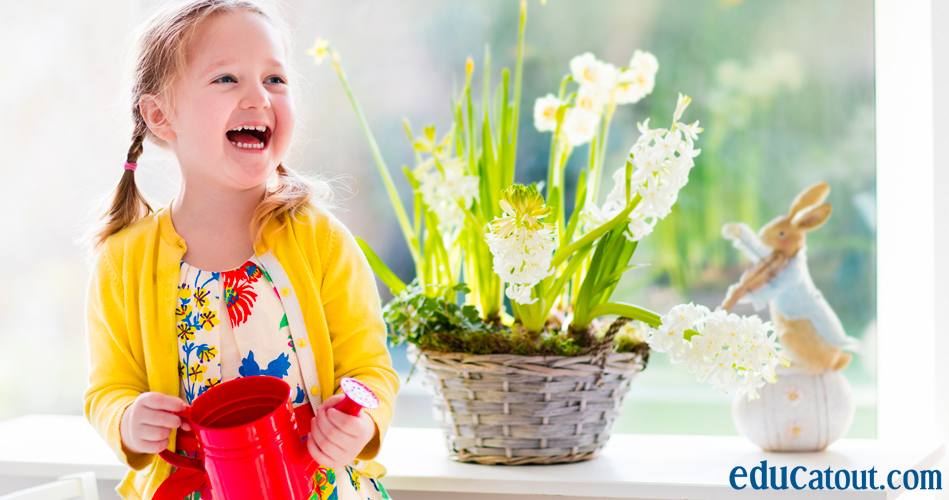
[(812, 195), (812, 217)]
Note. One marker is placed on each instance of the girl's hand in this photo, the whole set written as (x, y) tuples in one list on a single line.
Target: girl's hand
[(148, 422), (335, 437)]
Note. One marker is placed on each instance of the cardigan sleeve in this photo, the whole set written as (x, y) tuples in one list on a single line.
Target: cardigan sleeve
[(357, 331), (115, 377)]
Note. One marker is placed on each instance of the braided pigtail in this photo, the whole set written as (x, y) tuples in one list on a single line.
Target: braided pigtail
[(128, 204)]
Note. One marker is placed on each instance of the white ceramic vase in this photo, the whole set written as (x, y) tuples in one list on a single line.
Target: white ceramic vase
[(800, 412)]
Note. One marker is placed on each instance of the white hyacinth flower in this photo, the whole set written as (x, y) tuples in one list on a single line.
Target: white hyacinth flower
[(588, 71), (638, 80), (732, 353), (683, 103), (662, 159), (639, 225), (442, 190), (545, 113), (579, 126), (522, 245)]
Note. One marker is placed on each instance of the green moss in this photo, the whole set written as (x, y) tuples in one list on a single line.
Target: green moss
[(431, 320)]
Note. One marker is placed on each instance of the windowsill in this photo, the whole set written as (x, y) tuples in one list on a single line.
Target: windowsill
[(631, 466)]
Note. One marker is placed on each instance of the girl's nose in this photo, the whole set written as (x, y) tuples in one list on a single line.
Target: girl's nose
[(255, 96)]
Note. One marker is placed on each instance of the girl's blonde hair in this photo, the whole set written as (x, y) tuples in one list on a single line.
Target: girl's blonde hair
[(160, 59)]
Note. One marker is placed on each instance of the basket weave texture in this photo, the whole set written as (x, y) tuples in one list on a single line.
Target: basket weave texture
[(505, 409)]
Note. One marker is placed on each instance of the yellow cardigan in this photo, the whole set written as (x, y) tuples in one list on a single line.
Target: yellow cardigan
[(328, 291)]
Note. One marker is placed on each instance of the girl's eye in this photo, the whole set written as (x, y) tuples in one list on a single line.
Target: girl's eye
[(224, 78), (277, 78)]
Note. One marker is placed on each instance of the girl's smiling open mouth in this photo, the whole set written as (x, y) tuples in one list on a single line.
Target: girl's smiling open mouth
[(250, 137)]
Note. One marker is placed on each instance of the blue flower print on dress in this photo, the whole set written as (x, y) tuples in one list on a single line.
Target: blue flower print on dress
[(276, 368), (299, 397)]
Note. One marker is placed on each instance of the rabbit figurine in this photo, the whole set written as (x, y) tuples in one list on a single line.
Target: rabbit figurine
[(808, 329)]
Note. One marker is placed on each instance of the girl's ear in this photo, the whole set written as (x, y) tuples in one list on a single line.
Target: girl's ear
[(155, 117), (812, 217)]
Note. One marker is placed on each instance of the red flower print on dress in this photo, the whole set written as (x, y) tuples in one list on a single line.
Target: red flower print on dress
[(239, 292), (252, 270)]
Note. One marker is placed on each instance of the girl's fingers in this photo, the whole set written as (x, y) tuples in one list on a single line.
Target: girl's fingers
[(347, 424), (150, 446), (329, 440), (339, 422), (317, 452), (153, 433), (160, 418), (159, 401)]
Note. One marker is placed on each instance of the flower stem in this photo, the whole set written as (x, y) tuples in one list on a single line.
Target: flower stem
[(646, 316), (601, 154), (403, 219)]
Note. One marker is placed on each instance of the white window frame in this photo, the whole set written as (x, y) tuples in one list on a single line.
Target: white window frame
[(911, 402)]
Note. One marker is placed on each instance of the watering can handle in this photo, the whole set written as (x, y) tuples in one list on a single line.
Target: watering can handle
[(181, 461)]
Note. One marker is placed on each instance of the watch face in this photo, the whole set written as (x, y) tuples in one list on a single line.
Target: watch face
[(359, 393)]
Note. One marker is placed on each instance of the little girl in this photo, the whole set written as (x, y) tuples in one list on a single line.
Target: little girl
[(244, 273)]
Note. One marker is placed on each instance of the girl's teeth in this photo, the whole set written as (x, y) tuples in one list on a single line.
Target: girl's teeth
[(248, 146)]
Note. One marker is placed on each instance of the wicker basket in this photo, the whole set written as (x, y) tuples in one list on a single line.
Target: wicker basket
[(513, 410)]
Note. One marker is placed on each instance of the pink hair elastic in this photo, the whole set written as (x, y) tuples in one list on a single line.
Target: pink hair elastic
[(131, 166)]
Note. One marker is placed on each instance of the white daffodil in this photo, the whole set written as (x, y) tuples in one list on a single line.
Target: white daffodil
[(638, 80), (442, 190), (545, 113), (319, 51), (588, 71), (592, 99), (522, 245), (579, 126), (644, 62)]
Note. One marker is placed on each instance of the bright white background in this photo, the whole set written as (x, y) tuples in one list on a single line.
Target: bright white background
[(26, 173)]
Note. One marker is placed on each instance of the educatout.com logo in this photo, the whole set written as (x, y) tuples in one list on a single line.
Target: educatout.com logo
[(763, 477)]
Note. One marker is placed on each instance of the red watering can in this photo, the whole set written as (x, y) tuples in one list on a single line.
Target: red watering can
[(252, 447)]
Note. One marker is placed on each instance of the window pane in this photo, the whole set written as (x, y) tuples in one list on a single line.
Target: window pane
[(784, 90)]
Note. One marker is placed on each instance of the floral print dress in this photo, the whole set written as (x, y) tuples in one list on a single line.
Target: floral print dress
[(232, 324)]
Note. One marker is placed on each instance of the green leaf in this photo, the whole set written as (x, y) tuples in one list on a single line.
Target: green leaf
[(411, 177), (577, 207), (563, 253), (571, 268), (385, 274)]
